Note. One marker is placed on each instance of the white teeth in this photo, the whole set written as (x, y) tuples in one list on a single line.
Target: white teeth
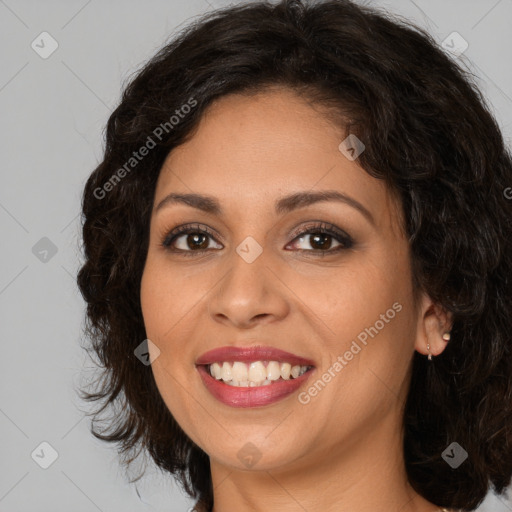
[(256, 373), (227, 373), (295, 371), (239, 371), (217, 372), (285, 370), (273, 370)]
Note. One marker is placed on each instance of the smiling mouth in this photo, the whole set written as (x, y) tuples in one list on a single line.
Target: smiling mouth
[(255, 373)]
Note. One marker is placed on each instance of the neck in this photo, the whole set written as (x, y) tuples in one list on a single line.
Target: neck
[(366, 474)]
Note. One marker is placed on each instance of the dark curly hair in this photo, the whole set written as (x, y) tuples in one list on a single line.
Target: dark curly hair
[(429, 134)]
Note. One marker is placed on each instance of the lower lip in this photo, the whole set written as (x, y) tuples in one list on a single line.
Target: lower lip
[(256, 396)]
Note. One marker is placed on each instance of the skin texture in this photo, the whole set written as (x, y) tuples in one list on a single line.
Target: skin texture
[(342, 451)]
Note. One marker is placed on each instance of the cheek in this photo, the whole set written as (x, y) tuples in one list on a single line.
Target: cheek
[(151, 287), (352, 297), (373, 355), (178, 396), (165, 305), (164, 296), (368, 320)]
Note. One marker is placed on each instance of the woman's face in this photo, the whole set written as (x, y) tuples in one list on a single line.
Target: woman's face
[(339, 297)]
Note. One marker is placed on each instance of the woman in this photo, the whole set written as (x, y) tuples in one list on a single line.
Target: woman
[(298, 266)]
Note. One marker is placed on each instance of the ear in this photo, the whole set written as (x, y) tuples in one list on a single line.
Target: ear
[(433, 322)]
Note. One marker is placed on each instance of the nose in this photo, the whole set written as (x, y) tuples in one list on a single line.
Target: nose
[(249, 294)]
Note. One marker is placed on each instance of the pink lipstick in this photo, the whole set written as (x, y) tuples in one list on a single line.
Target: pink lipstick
[(260, 394)]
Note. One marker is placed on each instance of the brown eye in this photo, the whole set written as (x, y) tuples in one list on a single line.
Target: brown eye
[(318, 239), (196, 241), (322, 239), (188, 239)]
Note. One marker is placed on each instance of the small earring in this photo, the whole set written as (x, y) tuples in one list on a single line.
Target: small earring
[(429, 354), (446, 336)]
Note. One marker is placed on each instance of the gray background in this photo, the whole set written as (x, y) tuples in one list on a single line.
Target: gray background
[(53, 112)]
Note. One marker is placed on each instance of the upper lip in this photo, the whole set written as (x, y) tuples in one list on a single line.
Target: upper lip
[(249, 354)]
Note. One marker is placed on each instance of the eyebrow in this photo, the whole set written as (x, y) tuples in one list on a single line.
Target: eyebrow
[(286, 204)]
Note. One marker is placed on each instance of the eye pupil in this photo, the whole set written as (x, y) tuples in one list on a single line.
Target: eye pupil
[(193, 238), (323, 243)]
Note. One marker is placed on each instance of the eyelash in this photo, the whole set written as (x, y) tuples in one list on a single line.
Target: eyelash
[(325, 228)]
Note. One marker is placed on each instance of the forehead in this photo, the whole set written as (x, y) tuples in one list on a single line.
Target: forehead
[(254, 149)]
